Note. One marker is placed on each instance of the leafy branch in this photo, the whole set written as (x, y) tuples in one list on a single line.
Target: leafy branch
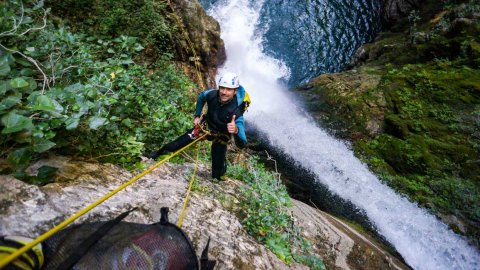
[(16, 26), (34, 62), (94, 100), (13, 31)]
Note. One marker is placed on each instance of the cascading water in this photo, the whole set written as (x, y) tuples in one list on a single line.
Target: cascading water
[(422, 240)]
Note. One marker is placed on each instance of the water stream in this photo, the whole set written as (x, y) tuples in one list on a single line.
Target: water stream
[(422, 240)]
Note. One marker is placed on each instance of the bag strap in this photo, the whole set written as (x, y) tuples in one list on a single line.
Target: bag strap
[(205, 263)]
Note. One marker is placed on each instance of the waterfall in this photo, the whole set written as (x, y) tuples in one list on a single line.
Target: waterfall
[(422, 240)]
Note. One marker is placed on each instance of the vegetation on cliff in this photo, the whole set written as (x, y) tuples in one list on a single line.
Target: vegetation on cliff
[(265, 214), (86, 92), (411, 107)]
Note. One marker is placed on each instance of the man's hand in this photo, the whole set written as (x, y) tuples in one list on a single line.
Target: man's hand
[(196, 121), (231, 127)]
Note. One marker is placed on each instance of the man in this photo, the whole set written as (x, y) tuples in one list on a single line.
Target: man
[(224, 117)]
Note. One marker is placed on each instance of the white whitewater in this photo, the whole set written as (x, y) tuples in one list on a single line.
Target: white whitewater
[(423, 241)]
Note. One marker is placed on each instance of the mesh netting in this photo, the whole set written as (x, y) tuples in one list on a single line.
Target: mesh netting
[(125, 246)]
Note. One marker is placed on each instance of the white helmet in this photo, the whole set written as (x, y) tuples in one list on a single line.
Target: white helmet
[(229, 80)]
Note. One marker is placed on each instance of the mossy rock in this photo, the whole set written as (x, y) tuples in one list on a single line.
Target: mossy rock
[(463, 27), (395, 126), (349, 103)]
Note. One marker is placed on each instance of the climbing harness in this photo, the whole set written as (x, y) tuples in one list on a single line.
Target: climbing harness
[(198, 130), (17, 253), (202, 128)]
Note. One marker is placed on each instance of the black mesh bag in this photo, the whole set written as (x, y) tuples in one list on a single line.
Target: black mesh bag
[(123, 245)]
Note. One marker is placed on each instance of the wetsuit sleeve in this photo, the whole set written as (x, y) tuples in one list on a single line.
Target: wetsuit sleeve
[(240, 137), (202, 97)]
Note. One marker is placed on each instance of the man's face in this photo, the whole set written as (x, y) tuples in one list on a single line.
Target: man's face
[(226, 94)]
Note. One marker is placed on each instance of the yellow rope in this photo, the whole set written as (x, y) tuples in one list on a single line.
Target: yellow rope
[(180, 220), (187, 37), (71, 219)]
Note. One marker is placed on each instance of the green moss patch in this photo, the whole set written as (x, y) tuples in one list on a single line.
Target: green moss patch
[(429, 148)]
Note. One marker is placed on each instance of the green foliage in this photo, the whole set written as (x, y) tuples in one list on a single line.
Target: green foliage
[(147, 20), (43, 177), (430, 146), (265, 215), (83, 94)]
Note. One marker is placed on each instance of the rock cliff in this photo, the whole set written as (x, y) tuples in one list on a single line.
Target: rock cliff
[(393, 10), (212, 211), (204, 34)]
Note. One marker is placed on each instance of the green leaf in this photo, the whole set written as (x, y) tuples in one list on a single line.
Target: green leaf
[(32, 85), (57, 106), (50, 134), (4, 87), (27, 20), (138, 47), (18, 83), (92, 93), (74, 87), (127, 62), (42, 145), (20, 157), (38, 5), (96, 122), (82, 108), (72, 123), (127, 122), (5, 58), (46, 172), (9, 102), (38, 133), (23, 62), (14, 122), (44, 103), (26, 72), (4, 68), (21, 175), (33, 97)]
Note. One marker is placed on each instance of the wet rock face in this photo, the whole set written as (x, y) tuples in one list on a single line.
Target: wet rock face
[(31, 210), (204, 33), (339, 102), (392, 10)]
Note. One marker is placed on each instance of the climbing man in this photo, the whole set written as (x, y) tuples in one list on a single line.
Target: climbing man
[(224, 118)]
